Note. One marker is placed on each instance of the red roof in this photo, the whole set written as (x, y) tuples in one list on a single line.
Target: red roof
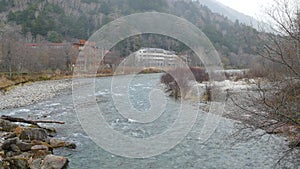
[(45, 44)]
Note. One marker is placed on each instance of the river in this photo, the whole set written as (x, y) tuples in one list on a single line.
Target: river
[(217, 152)]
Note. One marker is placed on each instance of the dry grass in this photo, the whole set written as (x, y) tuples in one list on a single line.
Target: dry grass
[(4, 82)]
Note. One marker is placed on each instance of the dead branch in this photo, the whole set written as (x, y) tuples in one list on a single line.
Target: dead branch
[(33, 122)]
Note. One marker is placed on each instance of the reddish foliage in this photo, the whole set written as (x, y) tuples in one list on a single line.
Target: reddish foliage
[(177, 80)]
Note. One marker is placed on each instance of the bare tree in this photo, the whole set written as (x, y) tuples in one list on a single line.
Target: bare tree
[(280, 98), (70, 55), (274, 104), (12, 59), (284, 47), (6, 60)]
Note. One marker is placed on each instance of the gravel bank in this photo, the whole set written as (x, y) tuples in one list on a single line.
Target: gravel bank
[(33, 92)]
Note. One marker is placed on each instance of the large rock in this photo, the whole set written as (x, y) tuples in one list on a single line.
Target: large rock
[(38, 147), (25, 155), (7, 126), (7, 144), (56, 143), (35, 163), (33, 134), (6, 135), (35, 142), (15, 148), (54, 162), (40, 151), (4, 164), (18, 163), (24, 146), (2, 155)]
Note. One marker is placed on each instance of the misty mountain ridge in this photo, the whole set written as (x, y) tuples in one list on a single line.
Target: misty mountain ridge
[(232, 14)]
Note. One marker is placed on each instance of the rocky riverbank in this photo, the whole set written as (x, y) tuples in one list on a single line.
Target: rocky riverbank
[(29, 93), (240, 106), (30, 147)]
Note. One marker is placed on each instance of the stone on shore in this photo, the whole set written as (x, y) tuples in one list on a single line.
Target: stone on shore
[(24, 146), (54, 162), (18, 163), (40, 151), (7, 144), (27, 147), (30, 94), (35, 163), (7, 126), (36, 148), (33, 134), (56, 143)]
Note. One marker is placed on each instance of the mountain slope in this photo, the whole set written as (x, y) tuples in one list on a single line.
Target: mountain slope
[(232, 14), (60, 20)]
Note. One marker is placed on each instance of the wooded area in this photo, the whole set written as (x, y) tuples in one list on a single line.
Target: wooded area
[(59, 22)]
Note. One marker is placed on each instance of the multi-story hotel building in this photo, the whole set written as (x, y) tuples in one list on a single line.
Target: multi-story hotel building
[(155, 57)]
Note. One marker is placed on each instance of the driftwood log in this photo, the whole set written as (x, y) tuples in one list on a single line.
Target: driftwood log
[(33, 122)]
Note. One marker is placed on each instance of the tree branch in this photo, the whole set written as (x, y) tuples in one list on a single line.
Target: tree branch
[(33, 122)]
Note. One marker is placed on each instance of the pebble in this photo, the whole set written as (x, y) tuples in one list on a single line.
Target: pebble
[(32, 93)]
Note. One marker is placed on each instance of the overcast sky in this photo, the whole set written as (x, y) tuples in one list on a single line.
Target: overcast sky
[(252, 8)]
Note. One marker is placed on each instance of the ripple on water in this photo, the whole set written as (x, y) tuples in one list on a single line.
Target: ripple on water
[(118, 94), (104, 92), (138, 84), (53, 105), (191, 153), (18, 111)]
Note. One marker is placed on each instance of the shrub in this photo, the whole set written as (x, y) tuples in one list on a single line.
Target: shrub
[(200, 74), (180, 86)]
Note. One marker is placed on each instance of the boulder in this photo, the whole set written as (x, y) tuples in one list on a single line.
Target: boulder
[(54, 162), (2, 154), (10, 135), (33, 134), (4, 164), (18, 163), (7, 126), (15, 148), (6, 135), (7, 144), (40, 151), (24, 146), (35, 142), (36, 148), (35, 163), (56, 143), (25, 155)]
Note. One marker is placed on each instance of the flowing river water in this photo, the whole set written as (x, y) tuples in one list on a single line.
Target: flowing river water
[(217, 152)]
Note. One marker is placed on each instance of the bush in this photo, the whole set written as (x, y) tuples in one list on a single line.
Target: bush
[(180, 86), (200, 74)]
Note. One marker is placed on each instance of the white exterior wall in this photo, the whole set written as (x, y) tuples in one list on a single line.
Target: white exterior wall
[(154, 57)]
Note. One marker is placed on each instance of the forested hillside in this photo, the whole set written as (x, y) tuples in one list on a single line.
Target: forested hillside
[(70, 20)]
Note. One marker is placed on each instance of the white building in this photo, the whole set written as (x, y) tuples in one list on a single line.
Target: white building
[(155, 57)]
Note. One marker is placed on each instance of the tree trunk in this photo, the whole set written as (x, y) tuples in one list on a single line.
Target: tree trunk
[(33, 122)]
